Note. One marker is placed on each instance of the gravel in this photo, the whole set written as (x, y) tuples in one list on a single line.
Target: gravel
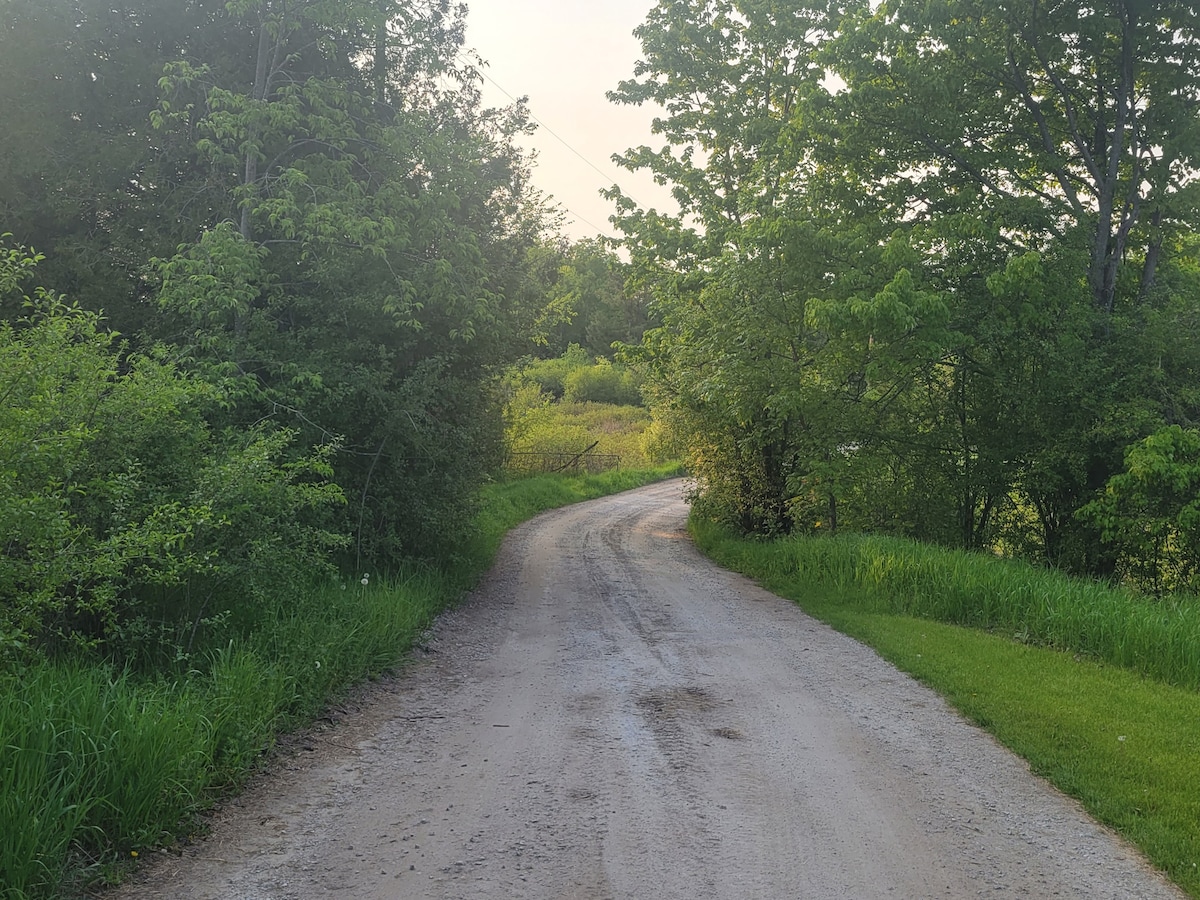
[(611, 716)]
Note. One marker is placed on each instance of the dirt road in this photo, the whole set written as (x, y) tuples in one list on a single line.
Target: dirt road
[(610, 716)]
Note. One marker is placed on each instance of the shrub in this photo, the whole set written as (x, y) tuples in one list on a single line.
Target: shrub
[(1150, 513), (117, 502), (550, 375), (602, 383)]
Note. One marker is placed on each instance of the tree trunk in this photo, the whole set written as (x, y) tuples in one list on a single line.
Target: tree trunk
[(1153, 251), (380, 66), (250, 174)]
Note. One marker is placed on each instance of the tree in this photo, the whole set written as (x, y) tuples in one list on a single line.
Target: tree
[(733, 273), (1057, 122), (78, 81), (309, 203), (919, 254), (1151, 511), (121, 509), (359, 263), (602, 309)]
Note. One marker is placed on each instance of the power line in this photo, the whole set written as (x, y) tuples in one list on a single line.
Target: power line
[(606, 176)]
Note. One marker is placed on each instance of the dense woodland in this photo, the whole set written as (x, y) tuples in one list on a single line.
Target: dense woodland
[(286, 254), (935, 272)]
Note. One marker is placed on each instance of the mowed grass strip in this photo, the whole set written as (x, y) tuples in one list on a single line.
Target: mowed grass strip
[(1126, 746)]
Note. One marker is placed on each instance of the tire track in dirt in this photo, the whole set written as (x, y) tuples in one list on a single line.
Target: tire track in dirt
[(611, 716)]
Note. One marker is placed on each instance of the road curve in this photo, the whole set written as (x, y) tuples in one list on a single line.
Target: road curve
[(611, 716)]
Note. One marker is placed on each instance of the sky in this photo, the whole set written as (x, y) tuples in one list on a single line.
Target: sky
[(564, 55)]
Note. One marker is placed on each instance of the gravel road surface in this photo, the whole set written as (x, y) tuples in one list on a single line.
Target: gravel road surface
[(611, 716)]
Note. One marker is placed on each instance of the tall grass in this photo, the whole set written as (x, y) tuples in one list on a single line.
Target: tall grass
[(98, 764), (1156, 638), (94, 763), (1098, 693), (628, 432)]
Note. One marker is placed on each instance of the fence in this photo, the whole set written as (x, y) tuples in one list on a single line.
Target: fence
[(538, 463)]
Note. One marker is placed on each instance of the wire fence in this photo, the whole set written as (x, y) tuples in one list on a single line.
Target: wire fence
[(537, 463)]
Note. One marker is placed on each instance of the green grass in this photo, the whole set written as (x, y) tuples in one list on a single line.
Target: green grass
[(1157, 638), (98, 765), (508, 503), (92, 761), (627, 432), (1127, 746)]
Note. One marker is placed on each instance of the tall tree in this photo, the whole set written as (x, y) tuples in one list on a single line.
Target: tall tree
[(306, 200), (362, 238), (919, 249), (1055, 122), (78, 81)]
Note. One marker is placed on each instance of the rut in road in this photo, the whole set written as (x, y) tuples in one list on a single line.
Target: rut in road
[(612, 716)]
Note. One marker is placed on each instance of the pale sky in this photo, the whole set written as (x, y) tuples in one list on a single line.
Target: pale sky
[(564, 55)]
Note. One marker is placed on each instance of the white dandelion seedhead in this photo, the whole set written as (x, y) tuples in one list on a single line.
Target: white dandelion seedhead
[(365, 580)]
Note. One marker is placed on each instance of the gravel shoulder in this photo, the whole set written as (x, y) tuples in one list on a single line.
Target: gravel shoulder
[(611, 716)]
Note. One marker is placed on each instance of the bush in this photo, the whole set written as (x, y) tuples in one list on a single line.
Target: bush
[(550, 375), (576, 377), (603, 383), (1150, 513), (118, 503)]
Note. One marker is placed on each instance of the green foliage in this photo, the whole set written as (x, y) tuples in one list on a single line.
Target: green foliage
[(1125, 745), (1151, 511), (577, 377), (77, 83), (118, 503), (997, 131), (550, 375), (310, 208), (363, 270), (214, 282), (585, 297), (596, 405), (602, 383), (929, 302)]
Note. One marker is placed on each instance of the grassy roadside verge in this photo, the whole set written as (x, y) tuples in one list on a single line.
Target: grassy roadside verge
[(99, 765), (1126, 745), (509, 503)]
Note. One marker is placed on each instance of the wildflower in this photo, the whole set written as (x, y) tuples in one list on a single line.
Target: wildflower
[(133, 853), (365, 580)]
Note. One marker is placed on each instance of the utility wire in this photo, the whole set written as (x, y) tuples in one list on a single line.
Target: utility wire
[(606, 176)]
